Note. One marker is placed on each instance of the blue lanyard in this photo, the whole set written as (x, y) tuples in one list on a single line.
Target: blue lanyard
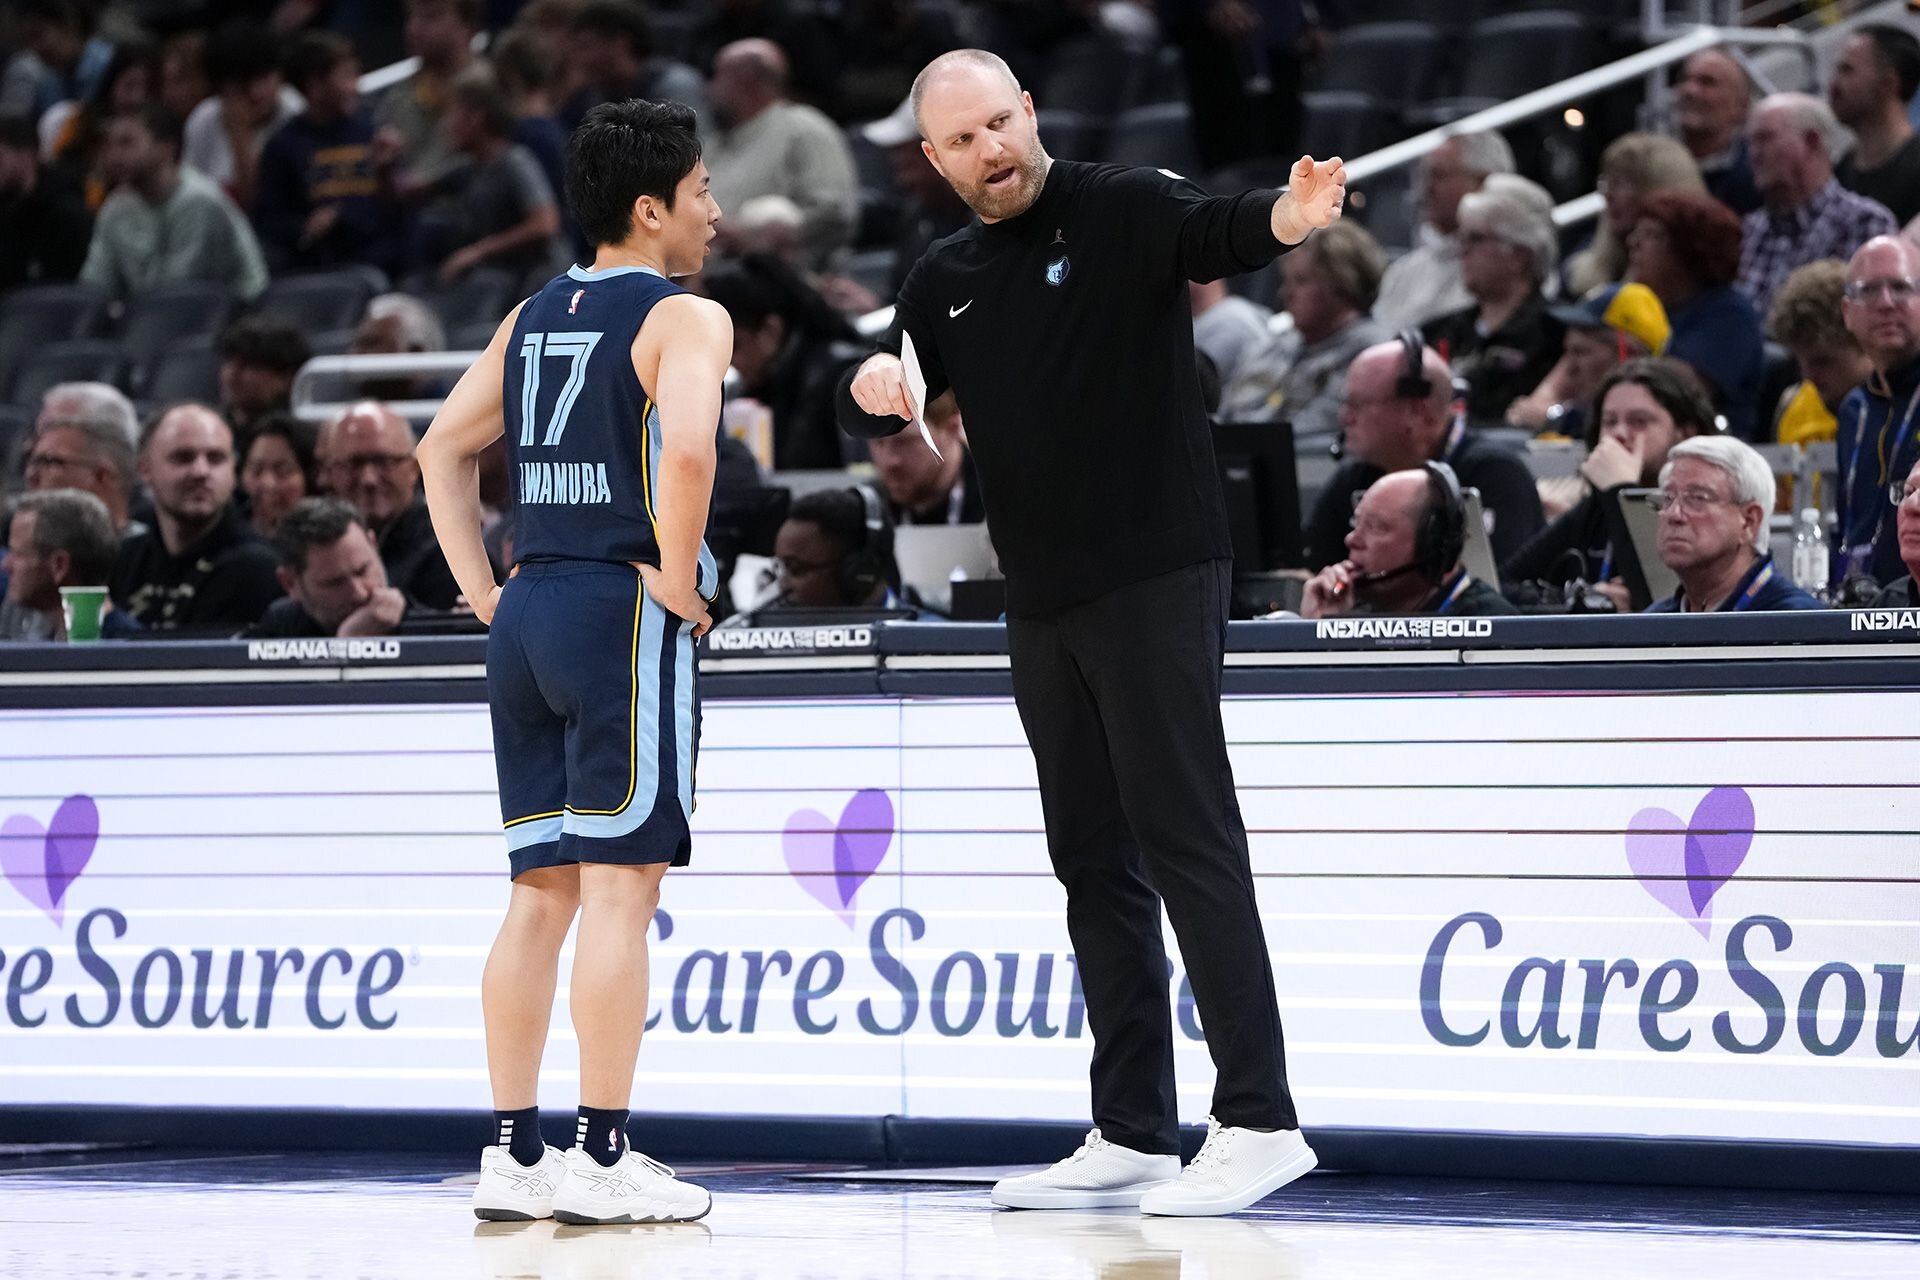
[(1454, 594), (1753, 588)]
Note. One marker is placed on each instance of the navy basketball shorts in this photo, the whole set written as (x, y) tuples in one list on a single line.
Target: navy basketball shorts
[(596, 721)]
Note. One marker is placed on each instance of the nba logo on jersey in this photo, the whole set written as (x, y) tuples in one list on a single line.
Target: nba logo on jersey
[(573, 307), (1057, 270)]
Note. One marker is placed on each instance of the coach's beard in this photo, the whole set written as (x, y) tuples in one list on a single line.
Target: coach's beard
[(1013, 197)]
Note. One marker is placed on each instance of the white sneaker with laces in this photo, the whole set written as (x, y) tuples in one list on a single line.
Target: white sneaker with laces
[(632, 1189), (513, 1192), (1234, 1168), (1099, 1175)]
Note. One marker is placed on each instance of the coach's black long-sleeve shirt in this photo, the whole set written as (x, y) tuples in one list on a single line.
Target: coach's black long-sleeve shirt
[(1066, 335)]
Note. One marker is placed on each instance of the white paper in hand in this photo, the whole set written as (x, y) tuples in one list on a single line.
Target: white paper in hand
[(917, 391)]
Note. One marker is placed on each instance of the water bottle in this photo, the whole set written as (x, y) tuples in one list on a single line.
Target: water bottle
[(1811, 561)]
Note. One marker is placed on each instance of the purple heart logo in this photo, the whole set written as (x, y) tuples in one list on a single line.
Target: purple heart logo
[(831, 860), (41, 863), (1682, 865)]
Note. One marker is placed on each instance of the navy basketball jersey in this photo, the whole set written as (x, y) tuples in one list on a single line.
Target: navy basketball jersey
[(583, 436)]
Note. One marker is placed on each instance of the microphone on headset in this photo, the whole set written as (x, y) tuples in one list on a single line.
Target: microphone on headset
[(1379, 576)]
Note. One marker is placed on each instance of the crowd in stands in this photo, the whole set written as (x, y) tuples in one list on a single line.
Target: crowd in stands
[(196, 199)]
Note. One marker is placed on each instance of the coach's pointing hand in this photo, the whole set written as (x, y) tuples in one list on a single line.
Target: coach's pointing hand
[(880, 388), (1316, 192)]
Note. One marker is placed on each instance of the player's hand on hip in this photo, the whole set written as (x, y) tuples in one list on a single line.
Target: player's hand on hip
[(880, 388), (684, 603), (1317, 192), (481, 609)]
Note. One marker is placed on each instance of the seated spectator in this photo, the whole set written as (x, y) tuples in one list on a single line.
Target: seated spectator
[(44, 222), (1424, 283), (163, 223), (769, 145), (613, 51), (922, 487), (1716, 494), (527, 78), (498, 211), (406, 120), (1226, 326), (930, 209), (1876, 441), (549, 24), (1643, 408), (772, 225), (1876, 77), (879, 47), (276, 471), (1902, 593), (73, 133), (791, 24), (331, 571), (1300, 375), (1507, 340), (1403, 554), (1386, 429), (225, 134), (1686, 249), (1808, 320), (1711, 103), (59, 538), (60, 59), (789, 348), (829, 558), (1632, 168), (199, 570), (183, 83), (366, 457), (259, 356), (85, 437), (396, 324), (1805, 215), (326, 194), (1614, 323)]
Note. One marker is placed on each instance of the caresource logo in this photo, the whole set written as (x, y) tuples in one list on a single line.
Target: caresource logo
[(830, 858), (1683, 864), (1549, 1002), (165, 986), (42, 862)]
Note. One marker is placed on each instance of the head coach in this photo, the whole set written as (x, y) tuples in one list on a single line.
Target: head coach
[(1060, 322)]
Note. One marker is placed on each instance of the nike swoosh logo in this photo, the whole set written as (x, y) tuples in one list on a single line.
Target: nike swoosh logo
[(954, 312)]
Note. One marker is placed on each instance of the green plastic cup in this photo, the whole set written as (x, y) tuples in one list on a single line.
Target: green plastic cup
[(83, 607)]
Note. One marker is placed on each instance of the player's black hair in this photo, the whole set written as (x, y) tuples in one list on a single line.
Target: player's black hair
[(622, 151)]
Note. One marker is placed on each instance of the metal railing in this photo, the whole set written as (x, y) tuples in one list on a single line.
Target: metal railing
[(330, 371), (1567, 93)]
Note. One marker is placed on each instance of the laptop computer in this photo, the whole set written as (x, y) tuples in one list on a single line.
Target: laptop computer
[(929, 555)]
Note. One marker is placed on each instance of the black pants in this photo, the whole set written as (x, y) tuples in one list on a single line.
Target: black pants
[(1121, 702)]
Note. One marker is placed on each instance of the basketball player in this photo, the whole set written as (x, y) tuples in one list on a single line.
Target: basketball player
[(1061, 323), (606, 384)]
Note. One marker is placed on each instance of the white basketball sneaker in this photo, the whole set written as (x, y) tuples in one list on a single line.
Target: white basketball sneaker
[(1099, 1175), (1234, 1169), (633, 1189), (513, 1192)]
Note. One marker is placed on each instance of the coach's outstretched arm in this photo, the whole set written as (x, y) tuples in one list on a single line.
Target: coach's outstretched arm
[(695, 349), (1316, 193), (472, 418)]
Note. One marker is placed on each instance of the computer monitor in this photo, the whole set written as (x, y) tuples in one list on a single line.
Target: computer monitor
[(1261, 486)]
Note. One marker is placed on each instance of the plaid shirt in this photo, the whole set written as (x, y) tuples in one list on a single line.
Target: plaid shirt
[(1832, 224)]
